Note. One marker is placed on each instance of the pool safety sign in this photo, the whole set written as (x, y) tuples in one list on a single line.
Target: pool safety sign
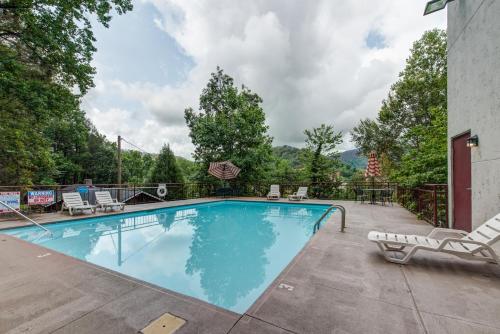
[(12, 198), (40, 197)]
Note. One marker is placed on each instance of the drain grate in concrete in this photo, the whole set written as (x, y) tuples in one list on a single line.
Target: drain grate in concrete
[(166, 324)]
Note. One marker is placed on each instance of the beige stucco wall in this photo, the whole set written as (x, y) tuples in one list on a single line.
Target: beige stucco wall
[(474, 97)]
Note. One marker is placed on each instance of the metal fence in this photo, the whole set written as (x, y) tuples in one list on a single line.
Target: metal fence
[(323, 190), (130, 194), (429, 202)]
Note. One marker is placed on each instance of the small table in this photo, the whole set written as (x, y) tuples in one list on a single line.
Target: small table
[(373, 191)]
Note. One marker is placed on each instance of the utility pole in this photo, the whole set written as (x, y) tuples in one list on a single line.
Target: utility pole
[(119, 158)]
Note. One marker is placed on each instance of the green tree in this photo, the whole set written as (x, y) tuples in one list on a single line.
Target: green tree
[(46, 50), (188, 168), (230, 126), (413, 106), (133, 170), (165, 169), (428, 163), (55, 36), (32, 108), (99, 163), (321, 155)]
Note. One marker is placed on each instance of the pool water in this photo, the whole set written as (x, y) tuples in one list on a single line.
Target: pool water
[(226, 253)]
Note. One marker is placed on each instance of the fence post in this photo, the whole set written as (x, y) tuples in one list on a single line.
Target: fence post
[(434, 193), (446, 206)]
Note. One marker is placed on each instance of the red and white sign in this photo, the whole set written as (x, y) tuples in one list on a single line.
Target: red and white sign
[(11, 198), (40, 197)]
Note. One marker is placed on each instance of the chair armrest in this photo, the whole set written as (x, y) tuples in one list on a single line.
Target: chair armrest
[(86, 203), (446, 230)]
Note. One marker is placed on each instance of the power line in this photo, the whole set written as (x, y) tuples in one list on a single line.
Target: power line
[(134, 145)]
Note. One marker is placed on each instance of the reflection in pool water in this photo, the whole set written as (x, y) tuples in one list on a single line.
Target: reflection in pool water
[(226, 253)]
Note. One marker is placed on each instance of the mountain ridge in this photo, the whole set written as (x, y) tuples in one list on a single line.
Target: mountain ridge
[(292, 154)]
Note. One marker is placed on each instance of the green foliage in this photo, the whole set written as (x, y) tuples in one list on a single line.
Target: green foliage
[(290, 154), (320, 154), (428, 163), (230, 126), (415, 107), (289, 165), (134, 168), (46, 48), (165, 169), (30, 106), (55, 36), (188, 168)]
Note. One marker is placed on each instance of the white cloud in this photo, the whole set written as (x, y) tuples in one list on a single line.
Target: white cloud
[(308, 60)]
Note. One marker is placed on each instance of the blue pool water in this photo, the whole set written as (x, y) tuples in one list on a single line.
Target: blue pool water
[(226, 253)]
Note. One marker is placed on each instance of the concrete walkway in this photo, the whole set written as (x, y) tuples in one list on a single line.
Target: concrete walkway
[(339, 283)]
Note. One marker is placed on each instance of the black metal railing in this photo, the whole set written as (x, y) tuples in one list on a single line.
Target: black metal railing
[(429, 202), (130, 193)]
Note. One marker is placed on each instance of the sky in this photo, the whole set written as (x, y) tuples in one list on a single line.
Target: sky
[(312, 62)]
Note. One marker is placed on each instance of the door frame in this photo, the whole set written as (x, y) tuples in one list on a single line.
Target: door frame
[(451, 209)]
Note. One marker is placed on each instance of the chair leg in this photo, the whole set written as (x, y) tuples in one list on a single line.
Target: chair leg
[(400, 248), (404, 260)]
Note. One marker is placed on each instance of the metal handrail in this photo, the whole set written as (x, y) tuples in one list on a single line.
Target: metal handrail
[(25, 217), (335, 206)]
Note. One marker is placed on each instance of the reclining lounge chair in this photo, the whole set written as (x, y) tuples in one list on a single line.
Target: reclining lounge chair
[(104, 201), (472, 246), (73, 202), (274, 192), (299, 195)]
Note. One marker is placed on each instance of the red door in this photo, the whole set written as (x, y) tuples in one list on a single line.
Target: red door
[(462, 206)]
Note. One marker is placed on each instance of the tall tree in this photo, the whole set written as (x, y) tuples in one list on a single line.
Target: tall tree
[(165, 169), (415, 102), (55, 36), (46, 49), (321, 154), (229, 126)]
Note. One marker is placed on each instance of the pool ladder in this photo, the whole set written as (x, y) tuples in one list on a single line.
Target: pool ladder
[(335, 206), (25, 217)]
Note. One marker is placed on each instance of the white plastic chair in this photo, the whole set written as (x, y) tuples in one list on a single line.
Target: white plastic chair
[(299, 195), (472, 246), (104, 201), (274, 192), (73, 202)]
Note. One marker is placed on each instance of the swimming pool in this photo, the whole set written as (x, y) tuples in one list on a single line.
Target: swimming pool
[(226, 253)]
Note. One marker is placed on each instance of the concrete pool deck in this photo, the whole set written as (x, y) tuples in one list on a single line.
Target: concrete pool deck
[(339, 283)]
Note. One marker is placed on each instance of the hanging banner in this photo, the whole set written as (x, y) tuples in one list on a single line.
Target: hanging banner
[(40, 197), (12, 198)]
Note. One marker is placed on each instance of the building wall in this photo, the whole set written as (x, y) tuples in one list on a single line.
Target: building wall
[(474, 97)]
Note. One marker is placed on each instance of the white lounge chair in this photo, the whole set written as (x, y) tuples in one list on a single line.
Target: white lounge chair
[(299, 195), (274, 192), (73, 202), (472, 246), (104, 201)]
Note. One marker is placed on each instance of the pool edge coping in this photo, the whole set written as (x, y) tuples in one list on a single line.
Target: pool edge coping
[(253, 307), (118, 213)]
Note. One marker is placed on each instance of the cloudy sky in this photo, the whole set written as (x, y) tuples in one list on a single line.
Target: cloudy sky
[(313, 62)]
